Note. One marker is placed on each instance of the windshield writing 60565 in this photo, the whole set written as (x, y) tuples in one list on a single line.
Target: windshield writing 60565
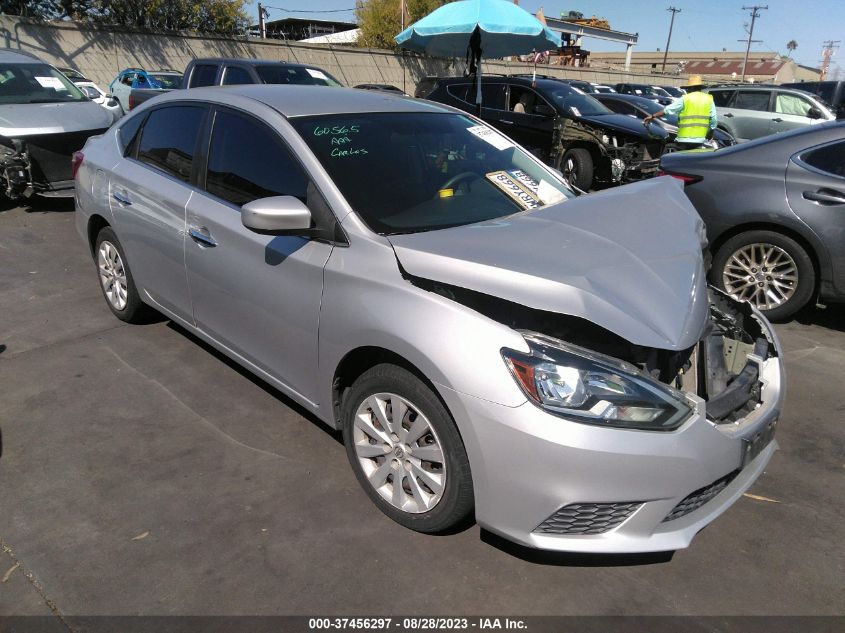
[(335, 130)]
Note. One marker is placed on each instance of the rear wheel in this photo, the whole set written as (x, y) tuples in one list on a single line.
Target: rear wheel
[(406, 451), (116, 279), (577, 168), (770, 270)]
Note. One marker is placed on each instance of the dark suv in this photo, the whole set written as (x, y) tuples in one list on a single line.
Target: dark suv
[(566, 128)]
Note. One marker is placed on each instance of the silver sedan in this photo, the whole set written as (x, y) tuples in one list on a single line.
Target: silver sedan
[(489, 344)]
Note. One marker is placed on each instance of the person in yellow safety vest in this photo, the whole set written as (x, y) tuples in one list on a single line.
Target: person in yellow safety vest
[(696, 114)]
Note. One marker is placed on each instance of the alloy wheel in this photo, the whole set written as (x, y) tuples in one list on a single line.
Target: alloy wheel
[(112, 275), (570, 171), (399, 452), (763, 274)]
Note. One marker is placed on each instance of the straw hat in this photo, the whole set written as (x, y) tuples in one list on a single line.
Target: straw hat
[(694, 81)]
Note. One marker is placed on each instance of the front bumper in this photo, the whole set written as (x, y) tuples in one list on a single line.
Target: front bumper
[(527, 465)]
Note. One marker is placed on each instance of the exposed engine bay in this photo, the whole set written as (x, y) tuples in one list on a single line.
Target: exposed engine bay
[(723, 367), (15, 169), (624, 159)]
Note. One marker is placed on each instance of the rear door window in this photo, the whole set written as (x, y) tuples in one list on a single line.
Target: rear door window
[(235, 75), (752, 100), (492, 96), (203, 75), (169, 138), (722, 98), (829, 159), (459, 91), (247, 161)]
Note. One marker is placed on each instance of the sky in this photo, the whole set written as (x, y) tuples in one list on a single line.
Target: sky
[(700, 26)]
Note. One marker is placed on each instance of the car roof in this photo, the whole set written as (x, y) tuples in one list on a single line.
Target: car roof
[(618, 96), (250, 62), (295, 100), (10, 56)]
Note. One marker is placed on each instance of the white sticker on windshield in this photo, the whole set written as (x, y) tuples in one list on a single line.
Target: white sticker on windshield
[(317, 74), (51, 82), (549, 194), (490, 136)]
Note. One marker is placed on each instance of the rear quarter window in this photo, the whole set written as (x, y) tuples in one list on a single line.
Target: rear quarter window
[(829, 159), (722, 98), (203, 75), (757, 100)]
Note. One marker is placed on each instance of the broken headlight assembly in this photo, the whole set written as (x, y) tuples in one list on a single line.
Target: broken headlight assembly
[(583, 386)]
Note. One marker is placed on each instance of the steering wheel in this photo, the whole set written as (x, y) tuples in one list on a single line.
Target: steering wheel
[(459, 178)]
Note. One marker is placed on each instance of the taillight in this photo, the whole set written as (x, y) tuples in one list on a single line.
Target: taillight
[(687, 179), (131, 101), (76, 162)]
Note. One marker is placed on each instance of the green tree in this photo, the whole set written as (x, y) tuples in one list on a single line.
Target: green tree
[(380, 21), (791, 45), (219, 16)]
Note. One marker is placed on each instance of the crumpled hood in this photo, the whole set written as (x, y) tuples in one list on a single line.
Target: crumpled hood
[(623, 123), (628, 259), (28, 119)]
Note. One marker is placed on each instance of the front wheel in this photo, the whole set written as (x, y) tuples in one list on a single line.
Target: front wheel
[(577, 168), (769, 270), (406, 451)]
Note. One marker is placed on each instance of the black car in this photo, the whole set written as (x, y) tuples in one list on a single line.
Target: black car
[(773, 210), (643, 90), (566, 128), (674, 91), (383, 88), (831, 92), (641, 107)]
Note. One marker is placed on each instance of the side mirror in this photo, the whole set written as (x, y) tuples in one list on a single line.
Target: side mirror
[(814, 113), (542, 109), (276, 215)]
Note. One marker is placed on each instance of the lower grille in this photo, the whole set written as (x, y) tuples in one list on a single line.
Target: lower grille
[(587, 518), (701, 496)]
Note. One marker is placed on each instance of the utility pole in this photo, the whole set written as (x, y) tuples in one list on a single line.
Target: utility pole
[(754, 15), (262, 27), (669, 39), (828, 51)]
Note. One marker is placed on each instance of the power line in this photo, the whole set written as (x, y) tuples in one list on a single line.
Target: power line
[(754, 15), (669, 39)]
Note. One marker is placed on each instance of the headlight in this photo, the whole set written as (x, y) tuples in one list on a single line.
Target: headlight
[(591, 388)]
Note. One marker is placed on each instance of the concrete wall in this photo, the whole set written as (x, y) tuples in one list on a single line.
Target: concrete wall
[(101, 52)]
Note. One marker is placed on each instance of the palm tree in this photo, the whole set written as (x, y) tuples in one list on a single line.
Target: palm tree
[(791, 45)]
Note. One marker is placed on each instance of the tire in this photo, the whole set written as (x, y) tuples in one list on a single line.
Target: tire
[(577, 168), (734, 267), (110, 260), (419, 504)]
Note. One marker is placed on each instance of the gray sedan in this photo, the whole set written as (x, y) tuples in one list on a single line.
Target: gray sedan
[(489, 344), (773, 209)]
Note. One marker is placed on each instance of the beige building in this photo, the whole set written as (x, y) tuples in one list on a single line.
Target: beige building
[(713, 66)]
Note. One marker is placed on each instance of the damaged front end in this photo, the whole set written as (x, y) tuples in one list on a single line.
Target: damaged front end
[(725, 371), (15, 169), (623, 158)]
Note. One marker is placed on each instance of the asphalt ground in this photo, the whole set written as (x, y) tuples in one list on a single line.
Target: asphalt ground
[(144, 473)]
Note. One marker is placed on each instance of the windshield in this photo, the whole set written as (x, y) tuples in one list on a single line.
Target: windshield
[(36, 83), (295, 75), (411, 172), (166, 81), (574, 102)]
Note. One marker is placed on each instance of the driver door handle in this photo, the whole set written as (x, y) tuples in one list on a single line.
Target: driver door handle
[(728, 115), (777, 120), (201, 236), (122, 198), (506, 122), (825, 196)]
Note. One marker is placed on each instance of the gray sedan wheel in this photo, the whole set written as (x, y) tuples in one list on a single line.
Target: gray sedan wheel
[(769, 270), (116, 279), (406, 450)]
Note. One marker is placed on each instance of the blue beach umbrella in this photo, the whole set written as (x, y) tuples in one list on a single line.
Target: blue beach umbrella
[(492, 28)]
